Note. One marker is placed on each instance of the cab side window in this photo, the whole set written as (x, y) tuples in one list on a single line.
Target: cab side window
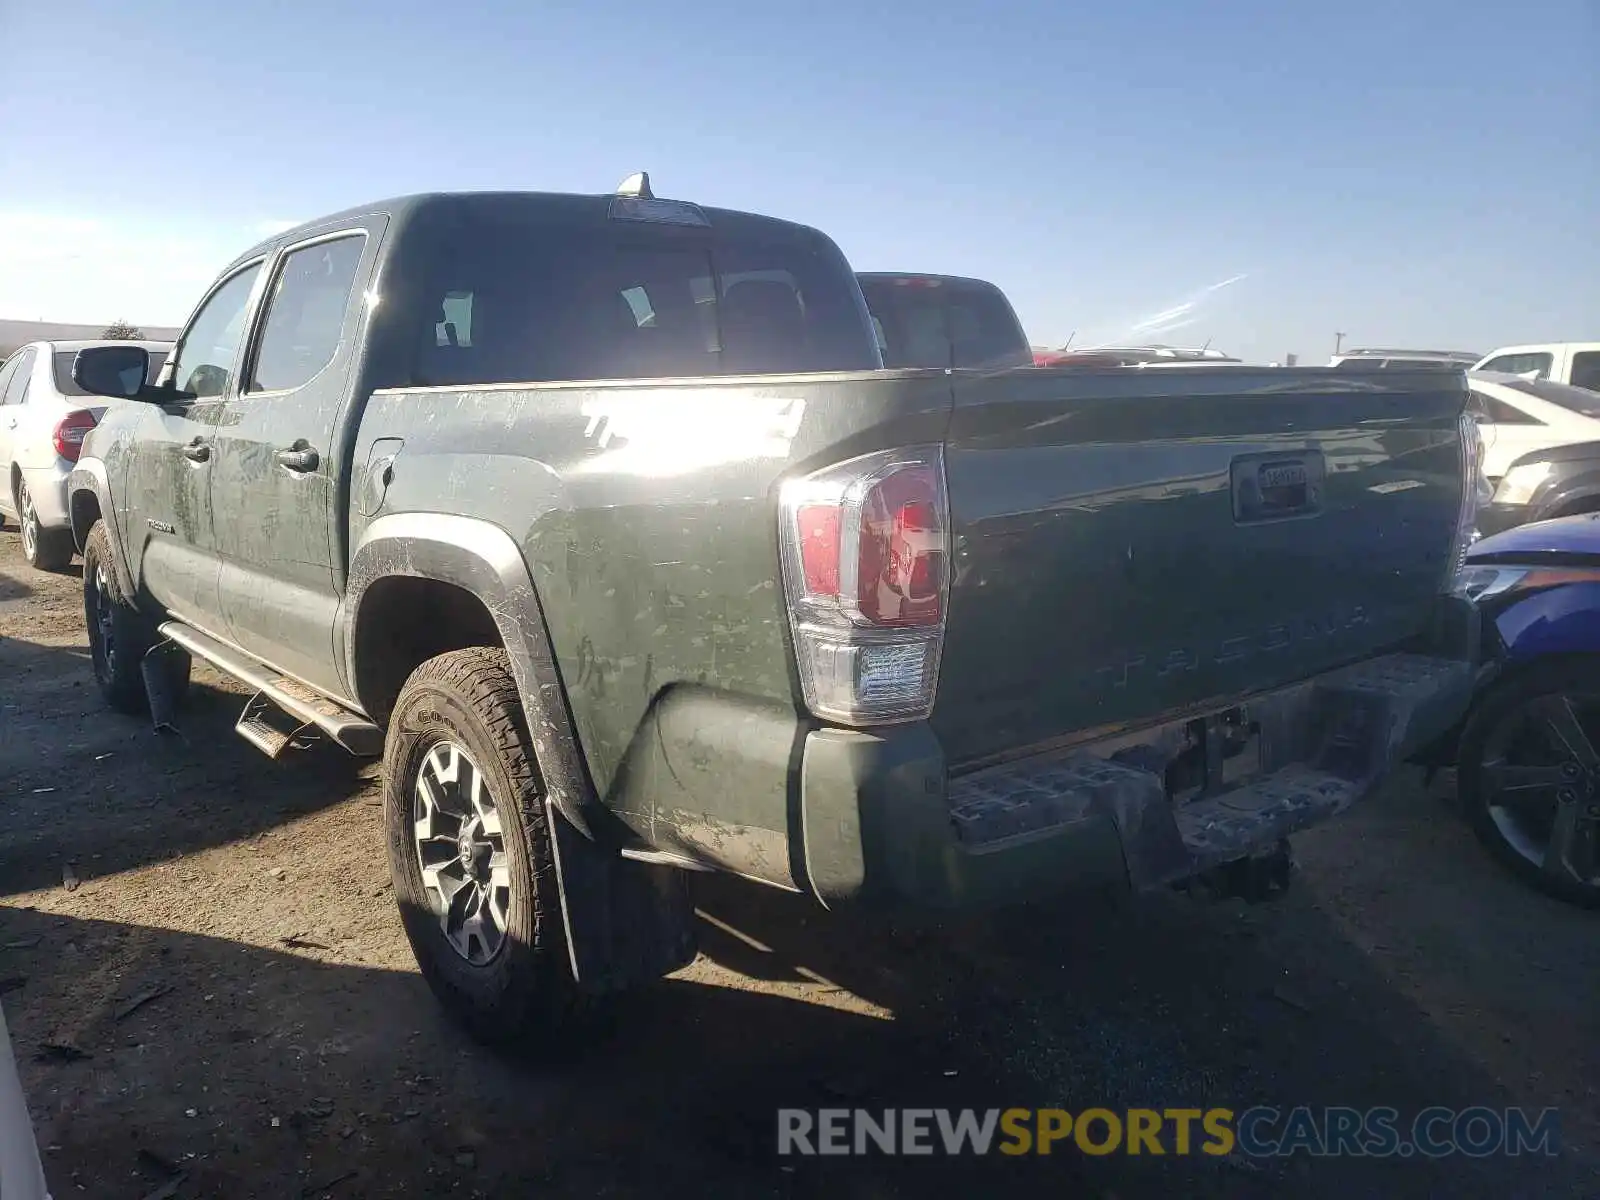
[(205, 358), (305, 314), (1520, 364)]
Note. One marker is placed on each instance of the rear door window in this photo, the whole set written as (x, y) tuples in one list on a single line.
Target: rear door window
[(1586, 370), (7, 370), (16, 390), (510, 302), (305, 313)]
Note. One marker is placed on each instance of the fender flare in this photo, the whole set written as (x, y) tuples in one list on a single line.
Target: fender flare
[(481, 558), (1558, 620), (89, 475)]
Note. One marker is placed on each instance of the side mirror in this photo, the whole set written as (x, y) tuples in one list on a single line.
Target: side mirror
[(115, 371)]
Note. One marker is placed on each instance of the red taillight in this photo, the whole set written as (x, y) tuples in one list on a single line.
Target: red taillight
[(866, 545), (818, 529), (900, 551), (70, 432)]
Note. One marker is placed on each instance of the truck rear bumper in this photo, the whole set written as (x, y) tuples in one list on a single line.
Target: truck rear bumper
[(883, 824)]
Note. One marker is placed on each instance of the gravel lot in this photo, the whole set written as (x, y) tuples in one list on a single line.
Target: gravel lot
[(285, 1045)]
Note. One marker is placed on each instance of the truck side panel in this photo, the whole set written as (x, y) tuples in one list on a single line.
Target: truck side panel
[(647, 517)]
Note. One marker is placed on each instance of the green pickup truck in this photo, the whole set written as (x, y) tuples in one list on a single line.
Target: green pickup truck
[(601, 520)]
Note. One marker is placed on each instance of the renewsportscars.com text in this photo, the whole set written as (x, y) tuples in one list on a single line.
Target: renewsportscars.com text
[(1258, 1132)]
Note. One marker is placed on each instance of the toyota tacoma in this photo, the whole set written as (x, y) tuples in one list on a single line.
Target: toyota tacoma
[(602, 521)]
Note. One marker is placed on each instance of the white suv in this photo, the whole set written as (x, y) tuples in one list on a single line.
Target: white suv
[(44, 416)]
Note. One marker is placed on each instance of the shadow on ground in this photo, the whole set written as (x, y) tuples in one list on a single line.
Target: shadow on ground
[(1161, 1003), (260, 1072), (83, 786)]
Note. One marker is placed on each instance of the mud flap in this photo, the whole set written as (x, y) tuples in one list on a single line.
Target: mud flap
[(159, 669), (626, 922)]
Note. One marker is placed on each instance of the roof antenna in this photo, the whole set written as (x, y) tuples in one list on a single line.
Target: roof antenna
[(636, 185)]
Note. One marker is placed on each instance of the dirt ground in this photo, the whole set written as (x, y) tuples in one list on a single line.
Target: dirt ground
[(209, 995)]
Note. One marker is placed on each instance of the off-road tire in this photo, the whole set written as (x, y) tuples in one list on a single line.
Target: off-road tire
[(132, 632), (525, 995), (1499, 702)]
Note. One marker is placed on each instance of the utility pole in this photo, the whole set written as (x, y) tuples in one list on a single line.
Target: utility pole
[(1338, 341)]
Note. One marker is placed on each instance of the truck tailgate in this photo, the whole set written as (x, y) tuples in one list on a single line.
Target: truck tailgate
[(1129, 545)]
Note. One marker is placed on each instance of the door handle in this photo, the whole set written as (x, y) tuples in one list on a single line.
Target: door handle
[(299, 457), (197, 451)]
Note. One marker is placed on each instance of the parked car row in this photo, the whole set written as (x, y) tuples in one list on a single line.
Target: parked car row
[(1574, 364)]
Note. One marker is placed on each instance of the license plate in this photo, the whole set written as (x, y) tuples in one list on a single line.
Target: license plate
[(1282, 476), (1274, 487)]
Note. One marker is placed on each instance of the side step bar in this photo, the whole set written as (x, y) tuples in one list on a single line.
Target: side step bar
[(306, 709)]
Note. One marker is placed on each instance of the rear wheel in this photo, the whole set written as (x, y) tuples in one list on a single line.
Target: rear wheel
[(470, 852), (45, 549), (119, 634), (1529, 777)]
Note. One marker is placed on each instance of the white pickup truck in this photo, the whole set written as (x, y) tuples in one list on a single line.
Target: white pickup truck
[(1574, 363)]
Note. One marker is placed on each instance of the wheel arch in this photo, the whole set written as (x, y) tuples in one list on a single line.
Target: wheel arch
[(88, 501), (476, 571)]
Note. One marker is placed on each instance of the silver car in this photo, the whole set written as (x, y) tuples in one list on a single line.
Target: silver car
[(44, 417)]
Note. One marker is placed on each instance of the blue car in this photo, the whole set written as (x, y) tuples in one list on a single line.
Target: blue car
[(1528, 757)]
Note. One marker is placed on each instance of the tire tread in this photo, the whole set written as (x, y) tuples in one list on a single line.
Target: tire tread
[(534, 997)]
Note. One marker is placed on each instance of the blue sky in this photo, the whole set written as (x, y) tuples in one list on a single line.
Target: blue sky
[(1413, 172)]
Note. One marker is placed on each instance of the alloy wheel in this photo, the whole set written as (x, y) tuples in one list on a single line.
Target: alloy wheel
[(105, 627), (1541, 772), (29, 520), (460, 849)]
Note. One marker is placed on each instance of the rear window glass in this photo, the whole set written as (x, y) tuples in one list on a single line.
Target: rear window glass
[(938, 323), (62, 366), (511, 303), (1577, 399)]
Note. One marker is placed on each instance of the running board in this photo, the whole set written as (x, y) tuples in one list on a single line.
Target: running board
[(305, 709)]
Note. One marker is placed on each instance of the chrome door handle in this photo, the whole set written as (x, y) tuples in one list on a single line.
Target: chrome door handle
[(197, 451)]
